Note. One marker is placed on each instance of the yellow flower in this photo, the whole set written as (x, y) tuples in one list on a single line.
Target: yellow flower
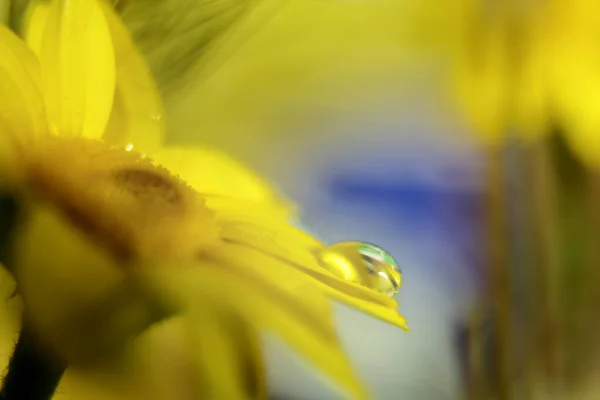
[(523, 67), (112, 240)]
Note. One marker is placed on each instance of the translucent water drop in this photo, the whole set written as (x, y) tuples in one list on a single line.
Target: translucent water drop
[(364, 264)]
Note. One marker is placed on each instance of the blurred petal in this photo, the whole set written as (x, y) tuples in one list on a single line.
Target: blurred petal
[(239, 361), (35, 24), (78, 68), (299, 317), (214, 173), (531, 85), (21, 108), (574, 66), (283, 241), (137, 115), (316, 341), (361, 298), (282, 267), (46, 283), (482, 74)]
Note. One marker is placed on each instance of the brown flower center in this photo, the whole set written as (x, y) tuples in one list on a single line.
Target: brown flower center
[(120, 199)]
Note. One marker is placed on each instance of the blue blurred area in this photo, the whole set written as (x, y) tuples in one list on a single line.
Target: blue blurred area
[(449, 214)]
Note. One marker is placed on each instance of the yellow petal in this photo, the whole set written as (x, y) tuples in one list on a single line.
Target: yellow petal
[(482, 76), (137, 115), (296, 249), (263, 260), (78, 68), (49, 255), (214, 173), (299, 317), (291, 258), (270, 214), (283, 241), (35, 21), (573, 65), (21, 108), (318, 344), (531, 83), (226, 353), (361, 298)]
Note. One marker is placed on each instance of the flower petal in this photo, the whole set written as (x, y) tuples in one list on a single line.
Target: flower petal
[(572, 62), (299, 263), (482, 74), (301, 317), (78, 68), (212, 172), (361, 298), (137, 115), (49, 255), (21, 107), (226, 352), (36, 19), (318, 344)]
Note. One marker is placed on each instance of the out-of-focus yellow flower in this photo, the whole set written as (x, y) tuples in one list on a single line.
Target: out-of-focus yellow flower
[(201, 36), (4, 11), (272, 63), (521, 66), (112, 240)]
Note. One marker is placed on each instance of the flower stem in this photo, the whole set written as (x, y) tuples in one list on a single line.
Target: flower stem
[(31, 374), (547, 265), (500, 285), (9, 212)]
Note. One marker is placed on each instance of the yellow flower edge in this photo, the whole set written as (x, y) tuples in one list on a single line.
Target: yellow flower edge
[(100, 213), (552, 79)]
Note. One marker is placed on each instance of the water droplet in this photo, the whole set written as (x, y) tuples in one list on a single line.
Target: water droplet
[(129, 147), (364, 264)]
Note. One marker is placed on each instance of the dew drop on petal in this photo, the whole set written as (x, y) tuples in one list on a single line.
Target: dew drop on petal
[(364, 264)]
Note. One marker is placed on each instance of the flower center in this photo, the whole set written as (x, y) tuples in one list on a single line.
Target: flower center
[(120, 199), (145, 185)]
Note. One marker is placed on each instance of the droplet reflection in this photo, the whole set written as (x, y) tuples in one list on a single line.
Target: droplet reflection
[(364, 264)]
